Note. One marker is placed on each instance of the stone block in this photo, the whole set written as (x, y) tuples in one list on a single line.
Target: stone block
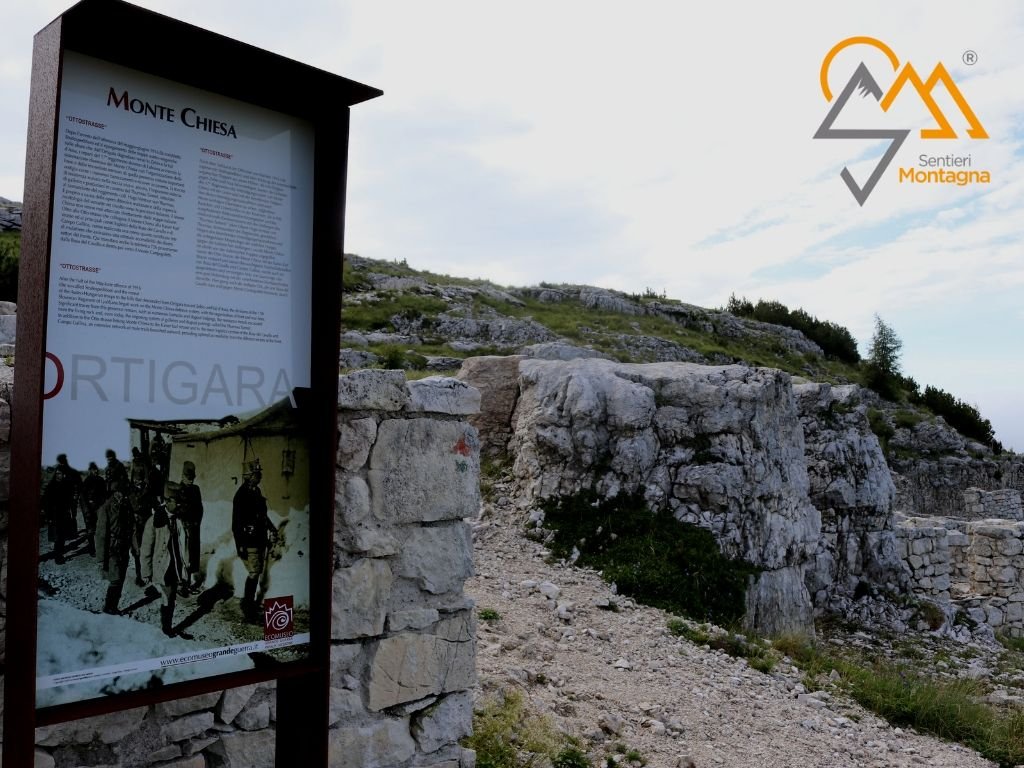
[(344, 705), (253, 750), (1006, 575), (417, 618), (1011, 547), (254, 717), (342, 659), (411, 666), (355, 438), (372, 391), (376, 745), (187, 706), (169, 752), (993, 616), (233, 701), (444, 723), (352, 502), (1014, 612), (41, 759), (441, 394), (424, 470), (359, 599), (188, 726), (193, 761), (438, 558)]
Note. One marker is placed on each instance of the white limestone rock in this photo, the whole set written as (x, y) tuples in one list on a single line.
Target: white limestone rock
[(443, 394), (424, 470), (372, 390)]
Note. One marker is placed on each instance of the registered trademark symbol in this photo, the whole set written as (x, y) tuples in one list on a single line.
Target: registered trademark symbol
[(970, 58)]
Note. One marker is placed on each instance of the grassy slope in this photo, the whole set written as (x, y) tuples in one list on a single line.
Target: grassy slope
[(585, 326)]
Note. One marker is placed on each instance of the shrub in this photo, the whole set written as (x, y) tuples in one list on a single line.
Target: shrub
[(881, 427), (507, 735), (392, 357), (964, 418), (835, 340), (570, 757), (907, 419), (651, 555), (488, 614)]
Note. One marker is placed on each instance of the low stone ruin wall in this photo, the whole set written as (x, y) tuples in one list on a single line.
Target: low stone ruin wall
[(1004, 504), (403, 654), (975, 565)]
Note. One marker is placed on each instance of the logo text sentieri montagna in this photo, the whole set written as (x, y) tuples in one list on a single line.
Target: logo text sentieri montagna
[(943, 169)]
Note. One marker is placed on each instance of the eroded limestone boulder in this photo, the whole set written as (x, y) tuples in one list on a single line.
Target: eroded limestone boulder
[(720, 446), (850, 484)]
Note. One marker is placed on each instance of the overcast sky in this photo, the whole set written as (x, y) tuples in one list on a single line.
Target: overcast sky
[(653, 145)]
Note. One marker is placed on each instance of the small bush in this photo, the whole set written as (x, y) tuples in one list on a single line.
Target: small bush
[(835, 340), (506, 734), (651, 556), (393, 357), (570, 757), (880, 426), (488, 614), (907, 419)]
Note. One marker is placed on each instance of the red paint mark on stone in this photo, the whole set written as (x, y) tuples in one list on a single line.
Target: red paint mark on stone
[(462, 448)]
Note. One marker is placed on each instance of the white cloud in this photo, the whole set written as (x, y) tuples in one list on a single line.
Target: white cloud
[(646, 145)]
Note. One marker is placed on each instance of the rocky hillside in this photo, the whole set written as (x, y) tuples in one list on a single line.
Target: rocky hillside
[(10, 215), (435, 320), (397, 317)]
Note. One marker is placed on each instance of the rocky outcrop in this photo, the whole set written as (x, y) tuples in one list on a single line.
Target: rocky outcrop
[(721, 447), (788, 476), (851, 485), (497, 381), (10, 215)]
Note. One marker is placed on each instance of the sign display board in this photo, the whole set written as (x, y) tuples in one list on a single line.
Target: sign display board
[(175, 490), (172, 460)]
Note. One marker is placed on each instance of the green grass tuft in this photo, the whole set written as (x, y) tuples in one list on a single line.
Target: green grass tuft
[(651, 556)]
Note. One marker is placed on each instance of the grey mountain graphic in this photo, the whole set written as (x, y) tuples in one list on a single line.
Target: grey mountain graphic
[(863, 81)]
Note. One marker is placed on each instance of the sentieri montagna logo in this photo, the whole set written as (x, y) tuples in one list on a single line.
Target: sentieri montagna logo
[(947, 169)]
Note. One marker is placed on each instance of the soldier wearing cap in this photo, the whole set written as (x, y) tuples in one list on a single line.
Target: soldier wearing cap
[(114, 527), (94, 493), (59, 502), (252, 528), (188, 501)]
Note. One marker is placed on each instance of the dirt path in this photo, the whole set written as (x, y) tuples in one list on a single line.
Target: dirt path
[(620, 678)]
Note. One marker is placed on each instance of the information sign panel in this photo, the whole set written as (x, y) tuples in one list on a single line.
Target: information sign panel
[(175, 469)]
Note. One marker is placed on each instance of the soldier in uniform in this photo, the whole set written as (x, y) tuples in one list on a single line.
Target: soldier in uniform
[(59, 501), (189, 509), (141, 497), (162, 566), (94, 493), (115, 471), (114, 524), (252, 529)]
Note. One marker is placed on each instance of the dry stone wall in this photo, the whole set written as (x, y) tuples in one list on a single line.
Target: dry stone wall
[(403, 652), (976, 566), (1004, 503)]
